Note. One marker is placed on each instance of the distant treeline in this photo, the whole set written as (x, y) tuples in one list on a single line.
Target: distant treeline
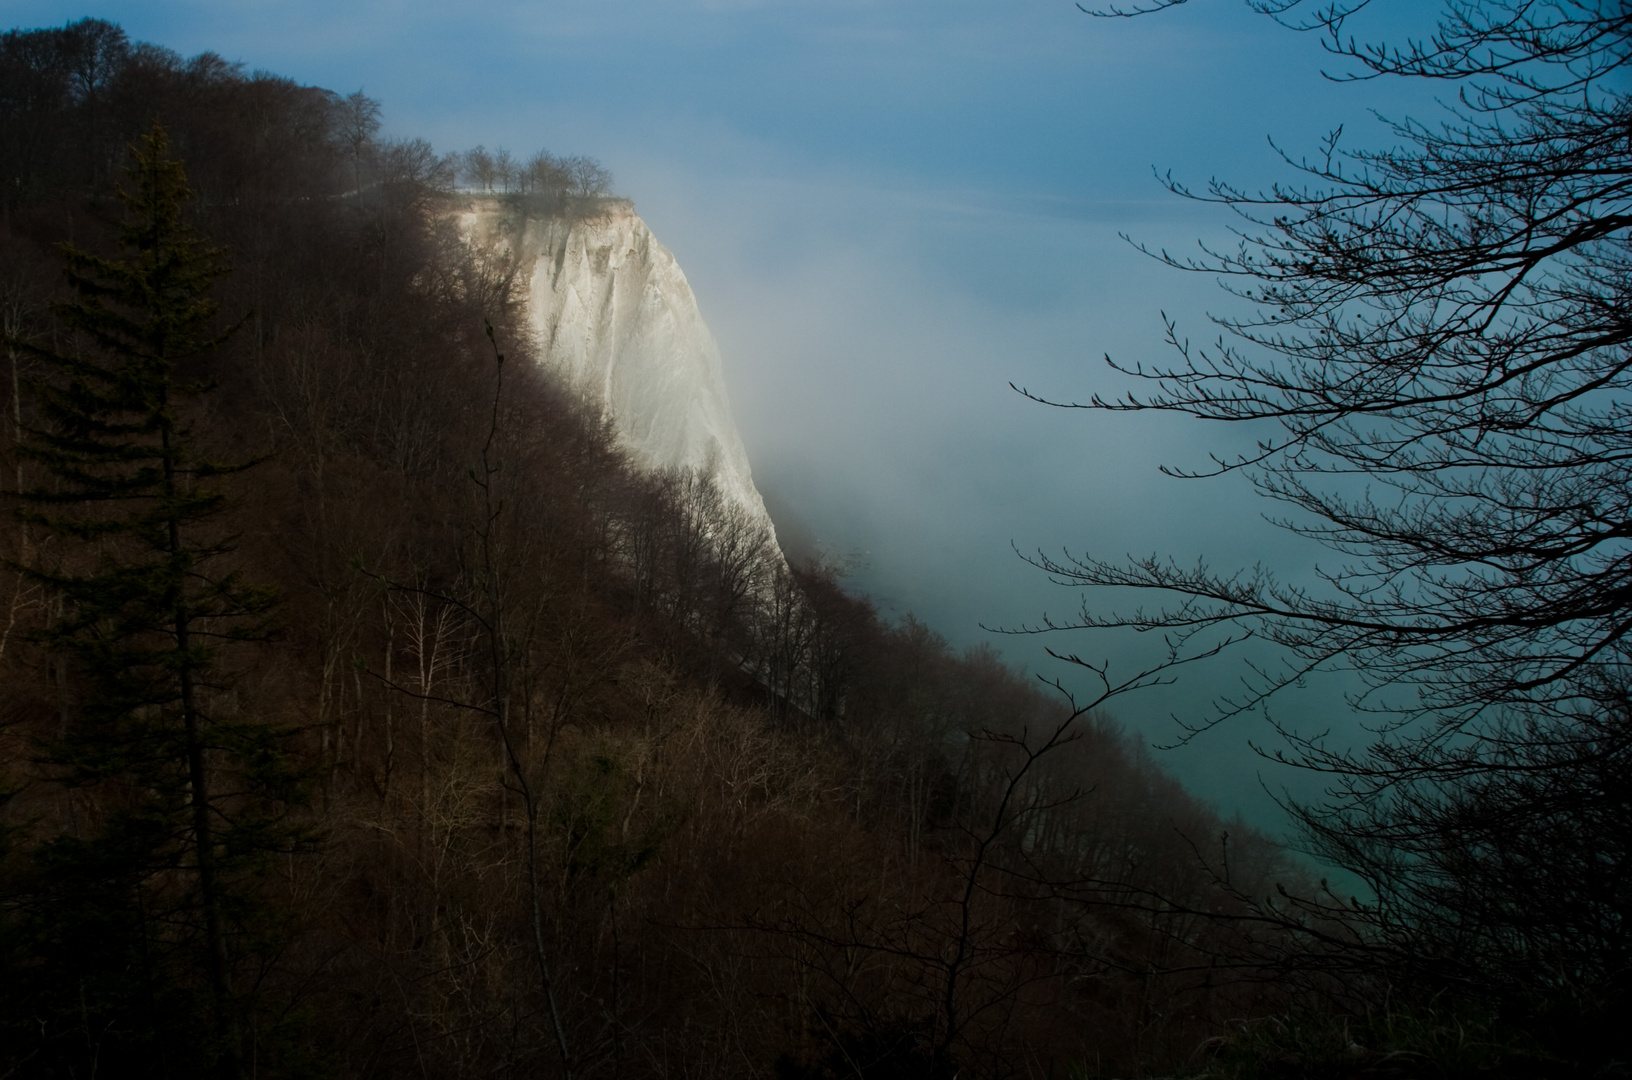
[(542, 174), (543, 177), (75, 98), (462, 747)]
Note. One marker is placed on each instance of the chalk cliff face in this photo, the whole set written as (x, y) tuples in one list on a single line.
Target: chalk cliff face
[(614, 314)]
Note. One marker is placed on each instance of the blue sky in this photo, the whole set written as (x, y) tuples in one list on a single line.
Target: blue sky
[(889, 210)]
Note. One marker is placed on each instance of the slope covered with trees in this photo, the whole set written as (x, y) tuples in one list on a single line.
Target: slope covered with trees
[(365, 713)]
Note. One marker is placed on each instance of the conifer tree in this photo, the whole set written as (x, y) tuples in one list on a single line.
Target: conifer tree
[(126, 948)]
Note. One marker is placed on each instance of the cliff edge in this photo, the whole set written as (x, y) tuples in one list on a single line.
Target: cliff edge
[(614, 315)]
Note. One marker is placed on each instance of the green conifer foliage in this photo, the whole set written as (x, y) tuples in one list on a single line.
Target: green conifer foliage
[(136, 917)]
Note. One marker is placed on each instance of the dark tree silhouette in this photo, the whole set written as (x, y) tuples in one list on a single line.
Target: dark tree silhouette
[(181, 795), (1448, 320), (358, 119)]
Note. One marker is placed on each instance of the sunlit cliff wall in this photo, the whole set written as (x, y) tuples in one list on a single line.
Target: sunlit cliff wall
[(613, 313)]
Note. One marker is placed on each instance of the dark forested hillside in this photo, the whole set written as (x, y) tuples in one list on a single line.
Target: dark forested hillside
[(364, 713)]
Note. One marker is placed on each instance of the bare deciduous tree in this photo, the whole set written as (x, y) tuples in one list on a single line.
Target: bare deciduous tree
[(358, 123), (479, 168), (505, 169), (586, 177), (1447, 319)]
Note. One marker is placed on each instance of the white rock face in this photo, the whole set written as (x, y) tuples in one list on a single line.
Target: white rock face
[(614, 314)]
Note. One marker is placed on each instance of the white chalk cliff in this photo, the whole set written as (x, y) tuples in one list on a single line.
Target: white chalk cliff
[(615, 316)]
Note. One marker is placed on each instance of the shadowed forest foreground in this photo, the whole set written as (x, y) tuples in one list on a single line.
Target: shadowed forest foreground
[(494, 755), (365, 713)]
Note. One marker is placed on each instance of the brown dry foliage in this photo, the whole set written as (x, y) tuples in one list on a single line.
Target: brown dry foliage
[(758, 800)]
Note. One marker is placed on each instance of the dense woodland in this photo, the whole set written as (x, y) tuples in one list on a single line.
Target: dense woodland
[(363, 712)]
